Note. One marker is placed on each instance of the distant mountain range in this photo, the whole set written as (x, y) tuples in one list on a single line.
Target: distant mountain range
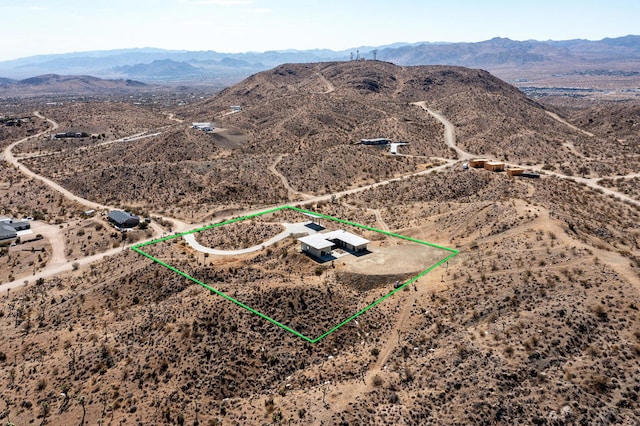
[(505, 58)]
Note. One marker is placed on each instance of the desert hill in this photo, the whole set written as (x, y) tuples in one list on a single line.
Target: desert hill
[(48, 84), (159, 68), (503, 52), (303, 120), (535, 321), (372, 99)]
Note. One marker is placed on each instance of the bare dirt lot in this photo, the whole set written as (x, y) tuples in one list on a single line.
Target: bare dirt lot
[(403, 258)]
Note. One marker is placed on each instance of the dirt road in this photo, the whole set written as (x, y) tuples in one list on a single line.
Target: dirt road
[(449, 131), (327, 83), (593, 183), (292, 192), (450, 140), (179, 226), (58, 263), (566, 123)]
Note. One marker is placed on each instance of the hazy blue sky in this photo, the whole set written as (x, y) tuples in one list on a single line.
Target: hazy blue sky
[(29, 27)]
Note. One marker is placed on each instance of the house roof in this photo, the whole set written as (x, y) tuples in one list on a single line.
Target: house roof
[(322, 241), (7, 231), (347, 237), (315, 216), (19, 224), (120, 216), (317, 241)]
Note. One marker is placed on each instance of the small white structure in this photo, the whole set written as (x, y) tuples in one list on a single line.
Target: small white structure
[(320, 245), (394, 147), (236, 108), (205, 127)]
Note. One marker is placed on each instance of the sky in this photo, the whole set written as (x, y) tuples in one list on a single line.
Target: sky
[(32, 27)]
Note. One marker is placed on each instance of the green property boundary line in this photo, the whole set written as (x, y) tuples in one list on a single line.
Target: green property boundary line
[(452, 253)]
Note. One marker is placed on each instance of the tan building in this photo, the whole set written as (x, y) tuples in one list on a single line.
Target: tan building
[(515, 171), (494, 166), (478, 163)]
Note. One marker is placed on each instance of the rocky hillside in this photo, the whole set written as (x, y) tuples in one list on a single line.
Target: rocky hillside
[(298, 130), (301, 107)]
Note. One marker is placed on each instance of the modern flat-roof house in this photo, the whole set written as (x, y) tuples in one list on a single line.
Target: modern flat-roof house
[(123, 219), (18, 225), (320, 245), (7, 232), (68, 135), (515, 171), (205, 127), (9, 228), (477, 163), (376, 141)]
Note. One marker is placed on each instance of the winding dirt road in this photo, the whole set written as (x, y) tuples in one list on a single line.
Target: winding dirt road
[(58, 262), (566, 123), (449, 131), (449, 138), (327, 83), (292, 192)]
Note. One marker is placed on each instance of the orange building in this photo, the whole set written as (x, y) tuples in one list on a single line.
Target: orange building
[(478, 163), (516, 171)]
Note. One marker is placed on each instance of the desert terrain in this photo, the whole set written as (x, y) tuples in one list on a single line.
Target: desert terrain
[(534, 321)]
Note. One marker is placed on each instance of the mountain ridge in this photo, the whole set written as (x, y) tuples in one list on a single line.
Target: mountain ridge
[(64, 84), (496, 55)]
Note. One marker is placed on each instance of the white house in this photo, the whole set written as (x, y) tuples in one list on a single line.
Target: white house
[(320, 245), (205, 126)]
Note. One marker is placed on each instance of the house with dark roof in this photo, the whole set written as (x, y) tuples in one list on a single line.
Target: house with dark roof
[(7, 232), (9, 228), (122, 219), (18, 225)]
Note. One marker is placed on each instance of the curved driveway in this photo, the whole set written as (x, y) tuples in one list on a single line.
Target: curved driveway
[(290, 228)]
